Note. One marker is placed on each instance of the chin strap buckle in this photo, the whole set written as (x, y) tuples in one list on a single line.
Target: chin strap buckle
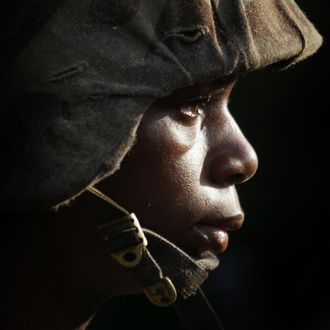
[(125, 240), (127, 244)]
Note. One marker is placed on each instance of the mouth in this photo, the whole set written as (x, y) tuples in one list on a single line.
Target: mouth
[(213, 232)]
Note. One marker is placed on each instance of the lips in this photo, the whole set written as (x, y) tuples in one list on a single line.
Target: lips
[(214, 231)]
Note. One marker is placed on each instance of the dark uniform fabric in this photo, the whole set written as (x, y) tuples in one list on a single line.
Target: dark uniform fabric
[(78, 79)]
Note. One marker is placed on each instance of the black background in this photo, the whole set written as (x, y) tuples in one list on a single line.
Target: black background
[(277, 276), (274, 274)]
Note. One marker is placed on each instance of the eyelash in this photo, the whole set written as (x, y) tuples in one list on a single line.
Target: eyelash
[(193, 108)]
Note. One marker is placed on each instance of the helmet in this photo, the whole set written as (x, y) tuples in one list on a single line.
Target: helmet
[(82, 66), (78, 76)]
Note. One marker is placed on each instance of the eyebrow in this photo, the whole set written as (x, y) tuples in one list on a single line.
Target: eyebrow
[(192, 93)]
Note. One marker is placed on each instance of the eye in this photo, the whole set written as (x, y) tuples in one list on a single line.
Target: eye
[(192, 109)]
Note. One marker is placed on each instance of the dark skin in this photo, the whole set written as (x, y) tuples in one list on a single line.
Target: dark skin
[(188, 158)]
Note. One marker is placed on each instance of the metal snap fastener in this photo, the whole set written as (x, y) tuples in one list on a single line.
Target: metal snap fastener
[(162, 293)]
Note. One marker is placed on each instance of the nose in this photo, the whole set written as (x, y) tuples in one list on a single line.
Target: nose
[(232, 158)]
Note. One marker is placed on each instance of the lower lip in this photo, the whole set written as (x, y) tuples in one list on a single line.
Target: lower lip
[(216, 239)]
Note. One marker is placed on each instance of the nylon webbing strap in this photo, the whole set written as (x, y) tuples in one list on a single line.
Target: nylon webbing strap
[(196, 313), (127, 243)]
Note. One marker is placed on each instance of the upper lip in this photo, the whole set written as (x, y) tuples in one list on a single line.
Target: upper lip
[(231, 223)]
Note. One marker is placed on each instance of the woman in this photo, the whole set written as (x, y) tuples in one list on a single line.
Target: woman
[(127, 100)]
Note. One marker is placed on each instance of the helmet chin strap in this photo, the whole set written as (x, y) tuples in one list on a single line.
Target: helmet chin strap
[(169, 275)]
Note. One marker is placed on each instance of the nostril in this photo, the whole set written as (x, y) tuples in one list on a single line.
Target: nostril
[(234, 179)]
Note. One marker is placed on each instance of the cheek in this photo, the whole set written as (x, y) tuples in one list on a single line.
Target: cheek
[(174, 153), (167, 136), (174, 157)]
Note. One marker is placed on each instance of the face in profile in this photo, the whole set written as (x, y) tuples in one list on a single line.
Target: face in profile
[(180, 176)]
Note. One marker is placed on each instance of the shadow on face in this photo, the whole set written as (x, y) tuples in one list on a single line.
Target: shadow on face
[(180, 176)]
